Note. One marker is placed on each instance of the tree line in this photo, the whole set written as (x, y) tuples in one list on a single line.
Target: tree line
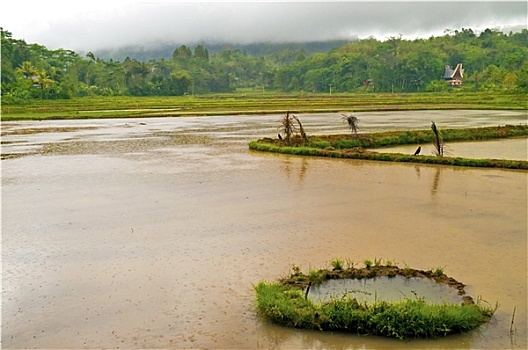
[(493, 61)]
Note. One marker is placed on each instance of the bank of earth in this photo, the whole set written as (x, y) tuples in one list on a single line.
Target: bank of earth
[(357, 146)]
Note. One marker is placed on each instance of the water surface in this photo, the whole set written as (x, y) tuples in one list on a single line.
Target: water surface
[(390, 289), (515, 149), (150, 233)]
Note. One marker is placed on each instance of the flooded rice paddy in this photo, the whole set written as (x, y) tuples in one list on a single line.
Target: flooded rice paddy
[(515, 149), (150, 233)]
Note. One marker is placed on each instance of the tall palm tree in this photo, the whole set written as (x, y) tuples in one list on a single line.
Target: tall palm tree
[(27, 69), (43, 80)]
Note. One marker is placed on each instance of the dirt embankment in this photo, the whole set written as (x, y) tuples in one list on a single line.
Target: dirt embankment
[(302, 281)]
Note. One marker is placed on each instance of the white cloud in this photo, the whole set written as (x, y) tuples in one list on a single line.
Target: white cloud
[(103, 24)]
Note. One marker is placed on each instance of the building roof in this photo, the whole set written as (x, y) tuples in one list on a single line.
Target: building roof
[(457, 73)]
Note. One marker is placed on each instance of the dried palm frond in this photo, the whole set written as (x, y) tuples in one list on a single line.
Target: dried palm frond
[(352, 123), (287, 127), (301, 130), (438, 143)]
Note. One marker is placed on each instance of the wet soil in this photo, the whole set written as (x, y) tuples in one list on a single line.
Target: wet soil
[(30, 131), (118, 234)]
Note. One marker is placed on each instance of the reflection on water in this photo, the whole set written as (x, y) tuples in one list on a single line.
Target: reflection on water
[(370, 290), (152, 234), (436, 180), (290, 168)]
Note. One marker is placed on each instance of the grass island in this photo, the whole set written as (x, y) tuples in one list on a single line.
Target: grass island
[(356, 146), (285, 302)]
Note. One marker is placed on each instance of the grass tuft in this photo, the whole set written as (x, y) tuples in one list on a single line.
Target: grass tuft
[(437, 271), (337, 264), (368, 263)]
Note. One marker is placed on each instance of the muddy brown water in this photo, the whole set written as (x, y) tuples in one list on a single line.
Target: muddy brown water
[(515, 149), (149, 233)]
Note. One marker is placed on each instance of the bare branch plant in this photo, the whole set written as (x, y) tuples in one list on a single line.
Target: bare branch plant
[(353, 122), (301, 130)]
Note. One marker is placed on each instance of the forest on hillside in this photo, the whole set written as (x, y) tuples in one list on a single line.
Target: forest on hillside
[(493, 61)]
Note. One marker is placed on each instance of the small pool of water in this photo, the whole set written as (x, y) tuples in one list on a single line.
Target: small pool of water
[(514, 149), (385, 288)]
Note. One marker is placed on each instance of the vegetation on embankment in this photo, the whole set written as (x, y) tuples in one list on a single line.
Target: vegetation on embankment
[(350, 146), (286, 302), (254, 103)]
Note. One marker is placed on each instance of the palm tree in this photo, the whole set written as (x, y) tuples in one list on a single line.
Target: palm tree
[(27, 69), (43, 80)]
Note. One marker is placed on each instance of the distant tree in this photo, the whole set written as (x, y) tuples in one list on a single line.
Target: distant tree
[(27, 69), (437, 86), (43, 81), (137, 78), (201, 52), (91, 56), (180, 82), (69, 85), (522, 78), (182, 53), (510, 80)]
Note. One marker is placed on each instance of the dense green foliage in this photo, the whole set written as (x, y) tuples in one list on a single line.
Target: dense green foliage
[(493, 60), (347, 146)]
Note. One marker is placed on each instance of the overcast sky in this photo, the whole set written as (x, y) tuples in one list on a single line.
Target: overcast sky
[(93, 25)]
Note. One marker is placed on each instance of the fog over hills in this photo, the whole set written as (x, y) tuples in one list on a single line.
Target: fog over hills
[(145, 54), (105, 25)]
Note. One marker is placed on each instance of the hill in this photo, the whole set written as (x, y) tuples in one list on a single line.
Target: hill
[(157, 52)]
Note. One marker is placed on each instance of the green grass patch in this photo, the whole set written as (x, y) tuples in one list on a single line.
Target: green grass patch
[(285, 303), (254, 103), (350, 146)]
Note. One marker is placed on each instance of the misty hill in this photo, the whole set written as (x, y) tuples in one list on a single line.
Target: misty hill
[(145, 54)]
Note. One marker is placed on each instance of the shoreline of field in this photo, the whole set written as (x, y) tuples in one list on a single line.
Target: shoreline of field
[(357, 147)]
